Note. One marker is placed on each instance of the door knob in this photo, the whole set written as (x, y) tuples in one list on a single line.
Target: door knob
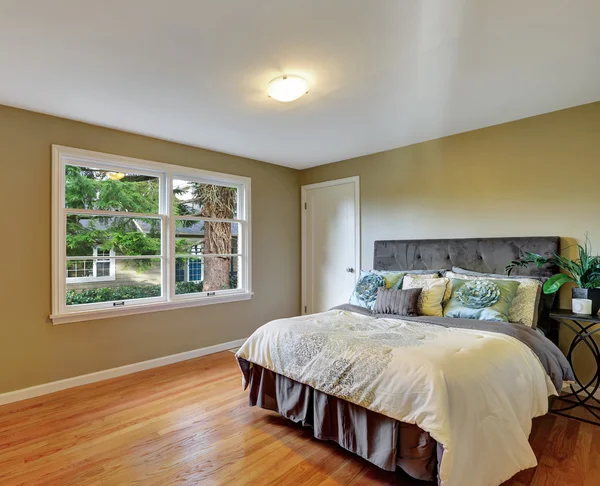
[(350, 270)]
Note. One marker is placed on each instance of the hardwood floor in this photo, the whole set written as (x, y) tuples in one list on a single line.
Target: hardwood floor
[(189, 423)]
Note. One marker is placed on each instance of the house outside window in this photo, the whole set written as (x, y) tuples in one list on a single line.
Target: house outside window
[(133, 236)]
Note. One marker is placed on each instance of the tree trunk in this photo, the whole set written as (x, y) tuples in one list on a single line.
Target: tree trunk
[(217, 239), (217, 202)]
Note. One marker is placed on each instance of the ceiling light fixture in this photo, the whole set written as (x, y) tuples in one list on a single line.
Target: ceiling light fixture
[(287, 88), (116, 176)]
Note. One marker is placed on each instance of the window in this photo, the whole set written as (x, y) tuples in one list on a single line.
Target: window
[(133, 236), (195, 265), (104, 267), (96, 270), (192, 272)]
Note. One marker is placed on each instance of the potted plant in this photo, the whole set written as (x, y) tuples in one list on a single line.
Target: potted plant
[(584, 271)]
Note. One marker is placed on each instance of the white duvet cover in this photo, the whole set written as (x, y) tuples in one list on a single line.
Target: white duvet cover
[(475, 392)]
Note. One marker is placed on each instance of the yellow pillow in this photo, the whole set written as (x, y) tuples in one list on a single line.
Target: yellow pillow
[(432, 295)]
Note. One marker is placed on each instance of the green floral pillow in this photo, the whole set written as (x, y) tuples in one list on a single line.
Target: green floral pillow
[(365, 292), (483, 299), (393, 279)]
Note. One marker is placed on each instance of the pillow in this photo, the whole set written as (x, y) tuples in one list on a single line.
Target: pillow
[(399, 302), (472, 273), (483, 299), (525, 307), (393, 279), (420, 275), (430, 299), (365, 291)]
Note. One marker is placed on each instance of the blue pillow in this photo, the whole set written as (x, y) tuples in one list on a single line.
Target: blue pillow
[(365, 292)]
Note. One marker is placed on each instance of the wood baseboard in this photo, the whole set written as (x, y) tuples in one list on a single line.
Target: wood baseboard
[(54, 386)]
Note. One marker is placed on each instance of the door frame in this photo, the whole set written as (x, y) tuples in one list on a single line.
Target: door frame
[(335, 182)]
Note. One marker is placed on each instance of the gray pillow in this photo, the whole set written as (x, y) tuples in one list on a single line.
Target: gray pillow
[(439, 271), (398, 302), (472, 273), (546, 301)]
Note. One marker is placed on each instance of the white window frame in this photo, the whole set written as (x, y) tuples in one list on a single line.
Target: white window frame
[(166, 173), (94, 278)]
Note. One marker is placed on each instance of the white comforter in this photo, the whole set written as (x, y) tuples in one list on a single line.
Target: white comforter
[(475, 392)]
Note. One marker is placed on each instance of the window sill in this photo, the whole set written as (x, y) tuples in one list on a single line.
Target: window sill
[(91, 315)]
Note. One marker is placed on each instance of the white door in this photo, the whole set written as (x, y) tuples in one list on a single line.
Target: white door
[(330, 243)]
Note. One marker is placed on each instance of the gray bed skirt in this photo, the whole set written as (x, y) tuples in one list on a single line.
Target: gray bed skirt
[(383, 441)]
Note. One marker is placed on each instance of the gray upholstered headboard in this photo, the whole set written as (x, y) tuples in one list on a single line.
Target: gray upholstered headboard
[(487, 255)]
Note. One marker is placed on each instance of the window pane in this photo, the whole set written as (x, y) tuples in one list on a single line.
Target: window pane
[(134, 279), (206, 237), (180, 270), (123, 235), (195, 270), (89, 188), (80, 268), (102, 269), (206, 274), (208, 200)]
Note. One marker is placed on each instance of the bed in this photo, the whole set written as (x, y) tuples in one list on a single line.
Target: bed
[(440, 398)]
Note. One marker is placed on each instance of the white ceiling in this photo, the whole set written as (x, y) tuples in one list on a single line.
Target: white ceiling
[(383, 73)]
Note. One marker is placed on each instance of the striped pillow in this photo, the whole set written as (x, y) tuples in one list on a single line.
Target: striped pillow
[(399, 302)]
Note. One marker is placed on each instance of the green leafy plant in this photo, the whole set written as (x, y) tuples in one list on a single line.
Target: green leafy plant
[(108, 294), (188, 287), (94, 190), (125, 292), (584, 271)]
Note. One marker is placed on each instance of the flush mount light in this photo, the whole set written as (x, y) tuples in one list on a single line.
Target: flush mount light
[(287, 88), (116, 176)]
